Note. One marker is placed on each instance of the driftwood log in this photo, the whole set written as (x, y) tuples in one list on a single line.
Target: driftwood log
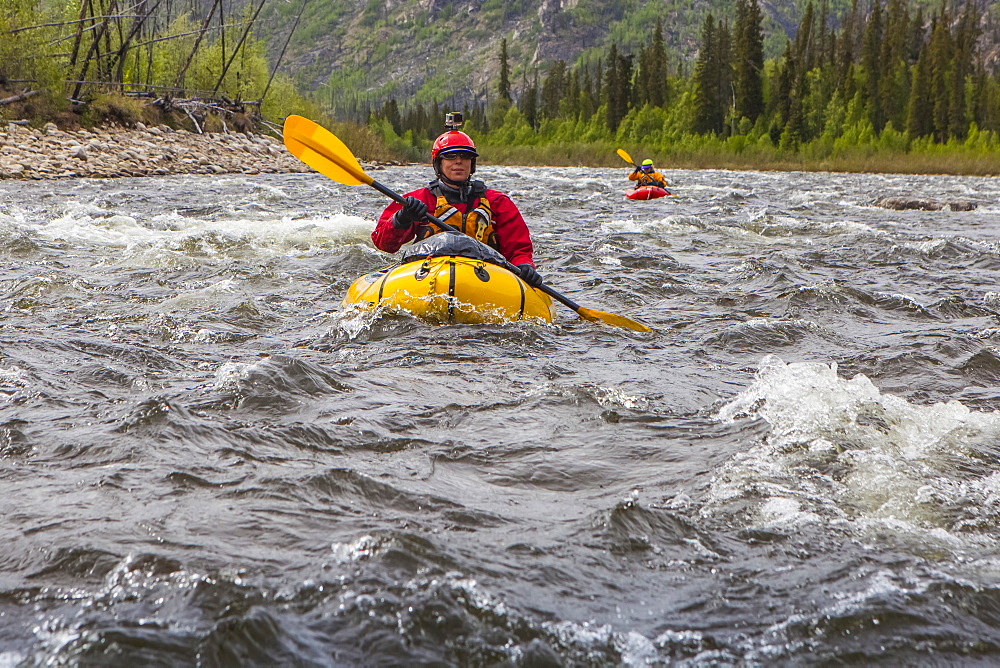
[(23, 95)]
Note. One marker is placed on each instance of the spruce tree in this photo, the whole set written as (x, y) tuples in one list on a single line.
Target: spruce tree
[(569, 106), (598, 97), (708, 117), (804, 41), (504, 87), (611, 89), (724, 60), (618, 86), (920, 107), (940, 67), (528, 105), (962, 67), (785, 85), (390, 112), (588, 99), (848, 50), (748, 57), (553, 90), (656, 76), (871, 66), (895, 81)]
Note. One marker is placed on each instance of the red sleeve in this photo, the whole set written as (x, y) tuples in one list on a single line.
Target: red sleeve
[(386, 237), (512, 231)]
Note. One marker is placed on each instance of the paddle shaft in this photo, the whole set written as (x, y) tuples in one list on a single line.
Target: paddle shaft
[(392, 194)]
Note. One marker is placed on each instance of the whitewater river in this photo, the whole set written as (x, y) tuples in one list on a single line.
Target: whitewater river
[(205, 461)]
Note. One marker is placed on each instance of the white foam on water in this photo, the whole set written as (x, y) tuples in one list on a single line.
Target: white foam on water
[(11, 659), (612, 397), (357, 550), (841, 452), (169, 239), (206, 296), (13, 382), (673, 225), (230, 374)]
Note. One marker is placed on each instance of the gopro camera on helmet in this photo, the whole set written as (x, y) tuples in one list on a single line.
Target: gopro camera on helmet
[(453, 120)]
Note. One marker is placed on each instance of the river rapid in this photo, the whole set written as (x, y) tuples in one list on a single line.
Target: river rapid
[(205, 460)]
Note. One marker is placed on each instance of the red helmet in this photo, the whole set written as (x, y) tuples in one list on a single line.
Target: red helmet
[(449, 142), (453, 140)]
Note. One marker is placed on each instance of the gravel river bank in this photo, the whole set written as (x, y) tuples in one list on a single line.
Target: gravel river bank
[(27, 153)]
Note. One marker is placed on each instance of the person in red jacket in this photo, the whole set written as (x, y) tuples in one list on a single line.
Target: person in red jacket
[(453, 197)]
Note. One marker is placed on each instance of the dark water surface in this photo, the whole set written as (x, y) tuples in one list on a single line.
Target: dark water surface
[(205, 461)]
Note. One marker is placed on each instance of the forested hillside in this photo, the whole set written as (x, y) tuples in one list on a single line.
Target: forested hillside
[(890, 81), (359, 54)]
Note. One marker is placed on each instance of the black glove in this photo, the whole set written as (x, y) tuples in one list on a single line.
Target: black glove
[(413, 211), (529, 275)]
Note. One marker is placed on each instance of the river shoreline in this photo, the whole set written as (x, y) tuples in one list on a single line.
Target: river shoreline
[(51, 153), (116, 152)]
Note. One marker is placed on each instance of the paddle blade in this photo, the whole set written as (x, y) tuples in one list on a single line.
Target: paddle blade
[(625, 156), (319, 148), (612, 319)]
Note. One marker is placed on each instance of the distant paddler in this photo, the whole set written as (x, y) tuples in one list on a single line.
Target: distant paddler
[(646, 175)]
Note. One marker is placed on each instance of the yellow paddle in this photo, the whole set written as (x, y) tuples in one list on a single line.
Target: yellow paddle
[(320, 149), (627, 158)]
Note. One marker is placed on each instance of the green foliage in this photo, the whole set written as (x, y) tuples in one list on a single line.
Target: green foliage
[(404, 148), (26, 56)]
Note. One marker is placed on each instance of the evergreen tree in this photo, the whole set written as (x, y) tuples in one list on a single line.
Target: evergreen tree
[(478, 119), (569, 106), (748, 56), (588, 99), (940, 66), (504, 87), (611, 89), (784, 86), (804, 41), (894, 83), (962, 68), (708, 114), (847, 50), (553, 90), (529, 103), (916, 37), (727, 91), (618, 87), (870, 50), (823, 51), (920, 107), (656, 74), (598, 96), (390, 112)]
